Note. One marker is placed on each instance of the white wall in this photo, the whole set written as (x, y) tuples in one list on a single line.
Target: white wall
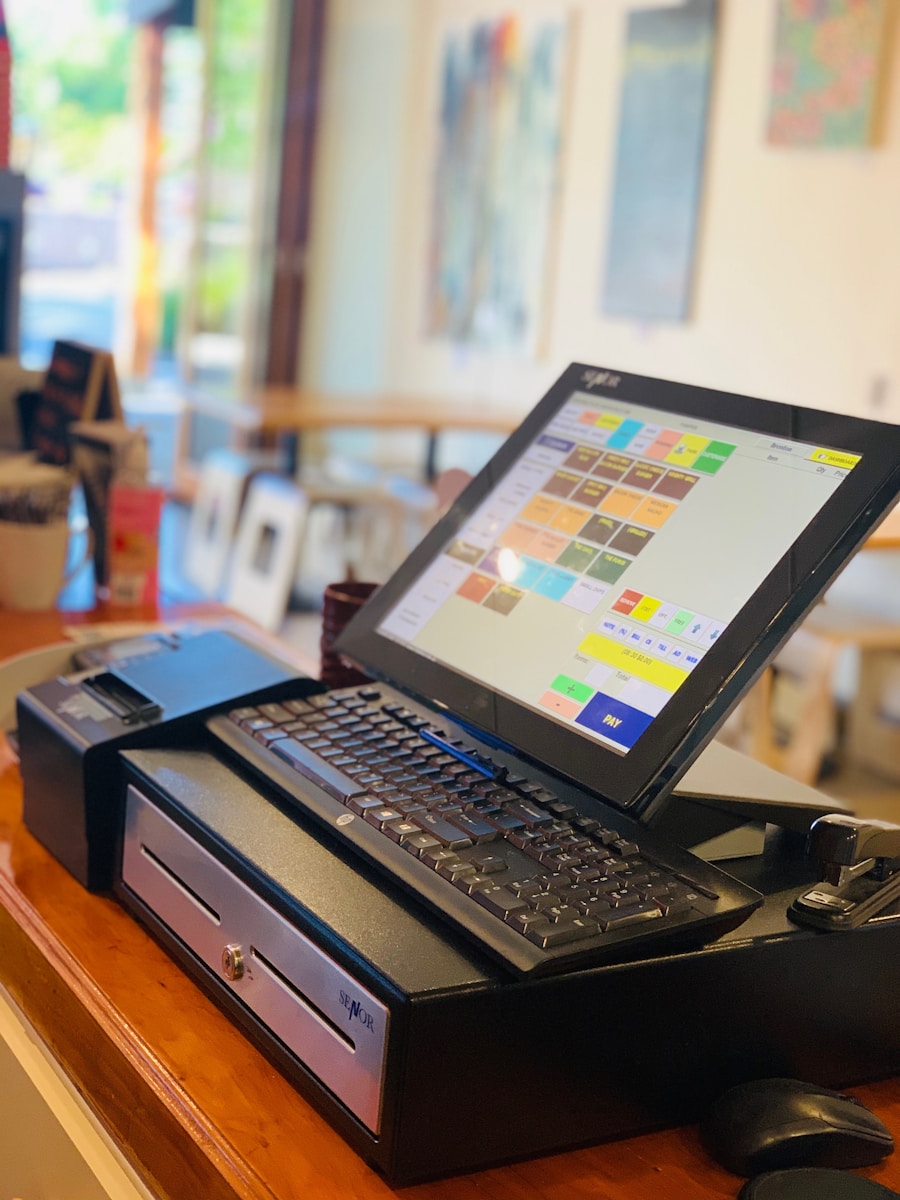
[(359, 169), (798, 279)]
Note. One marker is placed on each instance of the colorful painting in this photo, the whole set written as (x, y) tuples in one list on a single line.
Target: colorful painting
[(659, 162), (495, 181), (825, 74)]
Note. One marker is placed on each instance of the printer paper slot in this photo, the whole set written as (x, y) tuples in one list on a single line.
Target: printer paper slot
[(125, 701)]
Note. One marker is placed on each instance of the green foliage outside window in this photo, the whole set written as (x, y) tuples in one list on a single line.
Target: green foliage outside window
[(71, 76)]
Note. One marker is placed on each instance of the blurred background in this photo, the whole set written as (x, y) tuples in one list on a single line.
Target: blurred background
[(447, 201)]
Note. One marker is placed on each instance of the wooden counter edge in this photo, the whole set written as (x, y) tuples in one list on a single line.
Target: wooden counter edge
[(142, 1106)]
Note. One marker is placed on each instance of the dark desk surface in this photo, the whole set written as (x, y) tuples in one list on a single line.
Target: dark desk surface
[(200, 1112)]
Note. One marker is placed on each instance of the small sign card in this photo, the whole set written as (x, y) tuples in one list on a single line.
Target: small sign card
[(80, 385)]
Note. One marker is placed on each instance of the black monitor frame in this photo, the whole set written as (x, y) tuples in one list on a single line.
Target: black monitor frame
[(640, 781)]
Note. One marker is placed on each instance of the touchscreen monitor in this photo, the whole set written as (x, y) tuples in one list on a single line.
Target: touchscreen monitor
[(616, 577)]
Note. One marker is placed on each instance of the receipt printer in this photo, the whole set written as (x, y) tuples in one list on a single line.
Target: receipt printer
[(71, 727)]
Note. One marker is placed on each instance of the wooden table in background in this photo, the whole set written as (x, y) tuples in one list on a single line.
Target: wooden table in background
[(287, 413), (198, 1110), (887, 535)]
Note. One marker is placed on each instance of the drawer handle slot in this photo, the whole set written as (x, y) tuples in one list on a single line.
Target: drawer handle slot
[(303, 998), (179, 883)]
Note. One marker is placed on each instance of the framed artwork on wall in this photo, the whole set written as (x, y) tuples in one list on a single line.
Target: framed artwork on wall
[(501, 82), (826, 73), (658, 175)]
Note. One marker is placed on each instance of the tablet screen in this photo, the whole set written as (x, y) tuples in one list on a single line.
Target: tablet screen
[(615, 578)]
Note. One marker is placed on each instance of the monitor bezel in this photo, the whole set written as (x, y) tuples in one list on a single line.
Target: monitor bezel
[(639, 781)]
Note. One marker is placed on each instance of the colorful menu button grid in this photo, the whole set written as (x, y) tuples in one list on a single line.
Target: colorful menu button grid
[(653, 441), (543, 534)]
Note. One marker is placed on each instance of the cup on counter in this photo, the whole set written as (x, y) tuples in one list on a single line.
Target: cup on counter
[(341, 602), (33, 563)]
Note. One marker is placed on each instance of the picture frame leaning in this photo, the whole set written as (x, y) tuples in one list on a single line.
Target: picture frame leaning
[(267, 549)]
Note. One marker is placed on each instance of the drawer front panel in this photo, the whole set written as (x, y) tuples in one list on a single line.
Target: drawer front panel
[(334, 1026)]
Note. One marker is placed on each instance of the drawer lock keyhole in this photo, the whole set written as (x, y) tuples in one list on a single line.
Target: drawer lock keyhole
[(233, 962)]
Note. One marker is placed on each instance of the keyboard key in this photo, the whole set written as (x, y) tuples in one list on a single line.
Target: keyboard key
[(562, 809), (594, 908), (544, 796), (500, 901), (490, 864), (418, 843), (503, 821), (361, 804), (438, 856), (381, 817), (522, 838), (532, 816), (456, 869), (267, 736), (548, 935), (621, 918), (479, 831), (238, 715), (561, 861), (584, 874), (311, 767), (624, 847), (276, 713), (399, 831), (574, 893), (524, 887), (526, 920), (253, 724), (448, 835), (443, 806), (552, 881), (470, 884), (586, 824)]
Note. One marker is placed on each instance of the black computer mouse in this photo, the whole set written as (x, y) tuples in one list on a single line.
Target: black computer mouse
[(813, 1183), (771, 1124)]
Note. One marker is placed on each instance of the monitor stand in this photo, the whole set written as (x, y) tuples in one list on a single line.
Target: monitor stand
[(723, 802)]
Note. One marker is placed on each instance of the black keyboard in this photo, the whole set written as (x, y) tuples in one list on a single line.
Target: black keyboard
[(542, 879)]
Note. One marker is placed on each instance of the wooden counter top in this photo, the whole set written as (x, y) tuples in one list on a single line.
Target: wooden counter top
[(198, 1110)]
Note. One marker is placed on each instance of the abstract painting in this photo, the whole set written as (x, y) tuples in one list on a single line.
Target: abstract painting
[(825, 74), (659, 162), (495, 181)]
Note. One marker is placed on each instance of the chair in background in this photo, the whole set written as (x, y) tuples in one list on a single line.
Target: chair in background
[(266, 550), (792, 718), (357, 525)]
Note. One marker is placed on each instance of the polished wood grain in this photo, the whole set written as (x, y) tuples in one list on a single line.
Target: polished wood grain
[(202, 1114)]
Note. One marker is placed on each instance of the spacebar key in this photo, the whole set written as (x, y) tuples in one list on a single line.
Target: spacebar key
[(317, 770)]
